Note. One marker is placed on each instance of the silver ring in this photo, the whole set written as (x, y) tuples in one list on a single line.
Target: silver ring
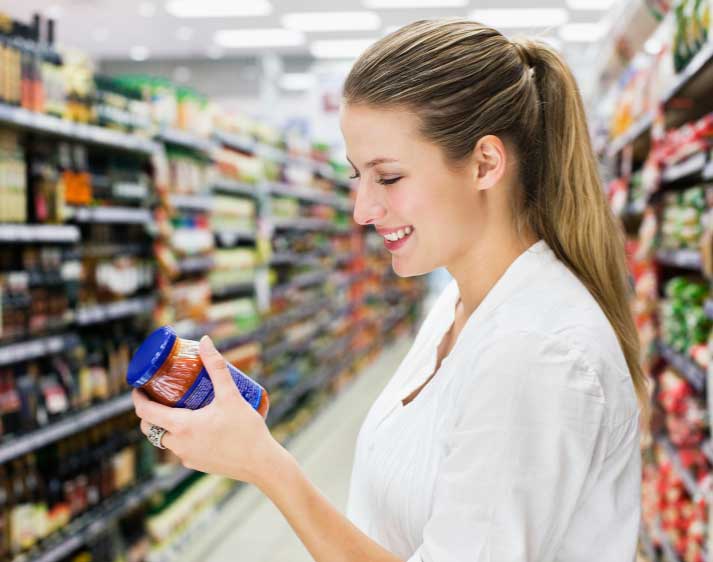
[(155, 435)]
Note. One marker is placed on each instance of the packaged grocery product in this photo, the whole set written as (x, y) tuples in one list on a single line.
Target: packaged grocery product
[(169, 369)]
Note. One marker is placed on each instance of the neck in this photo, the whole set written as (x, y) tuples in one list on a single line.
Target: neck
[(477, 272)]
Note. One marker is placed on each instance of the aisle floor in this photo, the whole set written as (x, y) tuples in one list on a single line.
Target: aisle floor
[(250, 527)]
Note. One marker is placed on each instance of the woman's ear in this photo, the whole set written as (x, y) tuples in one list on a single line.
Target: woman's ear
[(489, 162)]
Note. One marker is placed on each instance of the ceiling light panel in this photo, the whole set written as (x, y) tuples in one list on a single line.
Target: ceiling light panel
[(332, 21), (245, 38), (582, 32), (218, 8), (406, 4), (297, 81), (593, 5), (339, 48), (521, 18)]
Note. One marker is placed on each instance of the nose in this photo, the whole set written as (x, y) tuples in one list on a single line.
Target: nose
[(367, 207)]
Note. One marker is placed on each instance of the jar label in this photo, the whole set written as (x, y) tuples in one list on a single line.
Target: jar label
[(201, 392)]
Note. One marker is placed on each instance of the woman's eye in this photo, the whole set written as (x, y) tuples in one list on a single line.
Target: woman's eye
[(388, 181), (354, 176)]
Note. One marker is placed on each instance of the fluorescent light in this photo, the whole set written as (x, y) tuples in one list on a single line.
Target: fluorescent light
[(521, 18), (147, 9), (218, 8), (237, 38), (339, 48), (582, 32), (184, 33), (139, 53), (297, 81), (598, 5), (332, 21), (389, 4)]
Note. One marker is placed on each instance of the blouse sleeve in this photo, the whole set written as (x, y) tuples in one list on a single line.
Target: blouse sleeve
[(519, 454)]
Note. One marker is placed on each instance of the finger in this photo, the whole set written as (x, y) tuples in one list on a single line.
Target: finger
[(217, 368), (145, 426), (154, 413)]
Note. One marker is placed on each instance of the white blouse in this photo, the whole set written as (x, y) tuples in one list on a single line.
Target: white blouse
[(524, 447)]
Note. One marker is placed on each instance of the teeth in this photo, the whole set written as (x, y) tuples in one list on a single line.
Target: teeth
[(399, 234)]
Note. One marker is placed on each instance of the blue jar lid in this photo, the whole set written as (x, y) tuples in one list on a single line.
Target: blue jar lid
[(150, 356)]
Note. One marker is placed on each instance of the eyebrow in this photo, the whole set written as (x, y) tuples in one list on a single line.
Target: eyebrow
[(374, 162)]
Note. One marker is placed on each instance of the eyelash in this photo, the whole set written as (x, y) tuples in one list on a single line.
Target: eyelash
[(381, 181)]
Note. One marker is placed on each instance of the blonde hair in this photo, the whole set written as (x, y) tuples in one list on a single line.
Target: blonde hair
[(465, 80)]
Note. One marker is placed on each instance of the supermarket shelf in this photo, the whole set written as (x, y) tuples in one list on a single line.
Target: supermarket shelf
[(236, 341), (684, 366), (300, 281), (297, 345), (185, 139), (108, 215), (92, 134), (69, 425), (247, 144), (129, 190), (237, 188), (302, 223), (708, 308), (633, 133), (196, 264), (686, 259), (294, 258), (697, 63), (233, 290), (306, 194), (294, 314), (306, 385), (191, 202), (89, 525), (395, 317), (51, 233), (235, 141), (232, 237), (669, 553), (686, 477), (647, 544), (38, 347), (693, 166), (114, 310)]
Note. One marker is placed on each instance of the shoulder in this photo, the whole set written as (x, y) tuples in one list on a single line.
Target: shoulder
[(551, 334)]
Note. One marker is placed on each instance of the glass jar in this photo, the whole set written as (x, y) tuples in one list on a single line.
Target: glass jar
[(169, 369)]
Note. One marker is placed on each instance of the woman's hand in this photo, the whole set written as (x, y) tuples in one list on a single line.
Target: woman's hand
[(227, 437)]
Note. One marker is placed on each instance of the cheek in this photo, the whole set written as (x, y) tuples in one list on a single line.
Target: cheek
[(413, 206)]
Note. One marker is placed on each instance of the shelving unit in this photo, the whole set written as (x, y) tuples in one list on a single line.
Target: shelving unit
[(68, 425), (135, 205), (654, 169), (90, 134)]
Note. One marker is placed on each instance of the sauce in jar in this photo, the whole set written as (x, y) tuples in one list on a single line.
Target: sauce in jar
[(169, 369)]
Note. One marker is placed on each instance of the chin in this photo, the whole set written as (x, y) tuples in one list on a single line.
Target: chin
[(403, 269)]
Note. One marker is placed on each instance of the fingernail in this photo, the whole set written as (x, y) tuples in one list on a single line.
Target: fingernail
[(207, 343)]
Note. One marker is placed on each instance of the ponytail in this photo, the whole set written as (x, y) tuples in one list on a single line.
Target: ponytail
[(570, 210)]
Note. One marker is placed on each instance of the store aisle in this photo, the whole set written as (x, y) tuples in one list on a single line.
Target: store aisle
[(250, 527)]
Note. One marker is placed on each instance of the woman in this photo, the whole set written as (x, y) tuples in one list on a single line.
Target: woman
[(510, 430)]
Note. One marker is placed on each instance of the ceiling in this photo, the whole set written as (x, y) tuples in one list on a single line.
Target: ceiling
[(109, 29)]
